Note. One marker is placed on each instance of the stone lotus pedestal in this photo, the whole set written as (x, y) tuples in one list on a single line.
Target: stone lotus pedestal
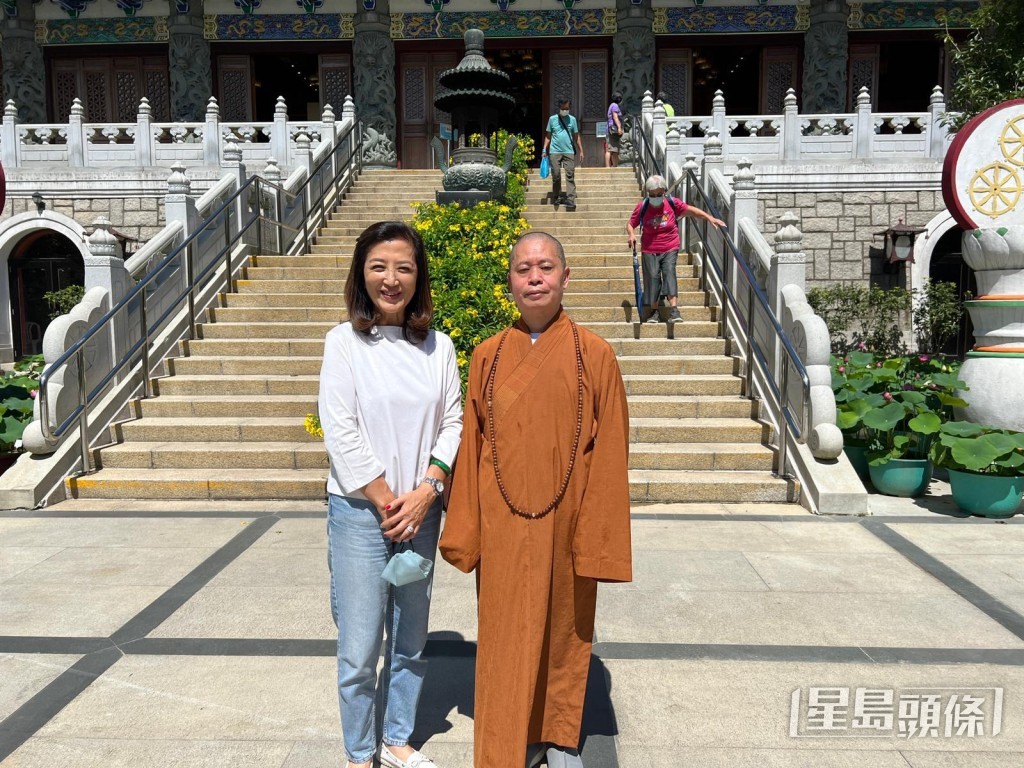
[(994, 369)]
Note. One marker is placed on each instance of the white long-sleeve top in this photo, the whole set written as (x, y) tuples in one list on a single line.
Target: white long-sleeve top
[(387, 406)]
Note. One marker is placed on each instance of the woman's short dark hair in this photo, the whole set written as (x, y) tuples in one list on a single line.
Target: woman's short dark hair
[(616, 97), (362, 312)]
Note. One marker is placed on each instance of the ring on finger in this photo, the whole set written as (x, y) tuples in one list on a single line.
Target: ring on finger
[(410, 529)]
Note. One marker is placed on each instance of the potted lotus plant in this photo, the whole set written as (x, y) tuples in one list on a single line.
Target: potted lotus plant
[(918, 395), (985, 464)]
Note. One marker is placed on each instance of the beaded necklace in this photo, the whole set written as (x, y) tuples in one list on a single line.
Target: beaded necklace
[(489, 388)]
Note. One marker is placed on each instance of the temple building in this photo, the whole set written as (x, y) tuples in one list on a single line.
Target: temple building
[(388, 55)]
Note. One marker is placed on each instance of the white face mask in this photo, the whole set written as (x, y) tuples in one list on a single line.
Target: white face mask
[(563, 113), (656, 201)]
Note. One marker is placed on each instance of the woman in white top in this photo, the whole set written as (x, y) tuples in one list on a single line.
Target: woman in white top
[(390, 405)]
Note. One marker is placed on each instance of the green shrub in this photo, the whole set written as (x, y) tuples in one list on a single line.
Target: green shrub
[(63, 301), (859, 318), (937, 313), (468, 250)]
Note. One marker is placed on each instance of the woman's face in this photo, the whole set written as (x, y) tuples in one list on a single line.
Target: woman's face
[(390, 274)]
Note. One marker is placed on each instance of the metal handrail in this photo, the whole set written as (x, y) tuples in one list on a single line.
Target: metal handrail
[(645, 164), (252, 190), (755, 299)]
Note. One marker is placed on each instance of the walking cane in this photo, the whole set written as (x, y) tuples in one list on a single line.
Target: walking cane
[(638, 288)]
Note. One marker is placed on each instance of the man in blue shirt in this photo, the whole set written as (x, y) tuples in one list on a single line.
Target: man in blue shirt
[(562, 136)]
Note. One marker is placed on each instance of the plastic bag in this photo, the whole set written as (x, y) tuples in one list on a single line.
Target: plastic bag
[(545, 167)]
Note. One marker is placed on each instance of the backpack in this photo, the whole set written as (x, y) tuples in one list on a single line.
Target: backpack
[(668, 199)]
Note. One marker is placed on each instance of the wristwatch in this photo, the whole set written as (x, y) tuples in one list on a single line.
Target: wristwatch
[(433, 482)]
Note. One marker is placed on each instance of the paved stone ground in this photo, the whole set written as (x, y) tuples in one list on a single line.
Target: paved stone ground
[(200, 635)]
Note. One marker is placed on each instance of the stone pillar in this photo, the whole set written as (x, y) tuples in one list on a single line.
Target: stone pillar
[(144, 135), (937, 129), (633, 53), (373, 59), (788, 267), (658, 131), (188, 58), (826, 51), (104, 267), (863, 128), (76, 135), (718, 120), (790, 128), (211, 134), (279, 139), (24, 70), (9, 138)]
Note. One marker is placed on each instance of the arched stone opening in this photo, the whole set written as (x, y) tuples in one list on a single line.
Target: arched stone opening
[(39, 252), (938, 257)]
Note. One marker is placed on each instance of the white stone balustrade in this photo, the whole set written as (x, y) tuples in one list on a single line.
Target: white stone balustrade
[(795, 138), (147, 144)]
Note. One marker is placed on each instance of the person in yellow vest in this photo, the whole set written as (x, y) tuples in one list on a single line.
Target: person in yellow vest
[(669, 109)]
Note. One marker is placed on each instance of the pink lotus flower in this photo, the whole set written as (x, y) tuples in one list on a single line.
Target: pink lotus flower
[(887, 397), (841, 369), (923, 358)]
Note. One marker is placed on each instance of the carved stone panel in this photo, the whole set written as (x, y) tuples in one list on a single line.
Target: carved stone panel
[(825, 58), (24, 74), (373, 54), (633, 65), (191, 76)]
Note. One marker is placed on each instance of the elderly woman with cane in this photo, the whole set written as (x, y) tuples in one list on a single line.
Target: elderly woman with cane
[(390, 405), (658, 217)]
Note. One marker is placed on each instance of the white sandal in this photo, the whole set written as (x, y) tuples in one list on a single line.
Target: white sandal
[(416, 760)]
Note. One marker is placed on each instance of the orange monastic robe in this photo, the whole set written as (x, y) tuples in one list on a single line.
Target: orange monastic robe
[(537, 579)]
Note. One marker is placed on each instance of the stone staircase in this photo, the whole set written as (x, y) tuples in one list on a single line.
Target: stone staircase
[(227, 422)]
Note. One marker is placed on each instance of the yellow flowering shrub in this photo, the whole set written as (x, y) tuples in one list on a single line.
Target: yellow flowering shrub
[(468, 250)]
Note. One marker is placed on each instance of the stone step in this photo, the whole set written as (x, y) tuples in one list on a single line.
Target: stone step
[(682, 384), (183, 406), (279, 315), (705, 328), (690, 407), (651, 486), (225, 386), (704, 430), (672, 365), (249, 429), (247, 365), (213, 454), (646, 486), (701, 456)]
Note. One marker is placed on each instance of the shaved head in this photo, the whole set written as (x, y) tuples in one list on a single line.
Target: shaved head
[(536, 234)]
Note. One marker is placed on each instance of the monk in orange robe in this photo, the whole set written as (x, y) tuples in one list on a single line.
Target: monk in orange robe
[(539, 508)]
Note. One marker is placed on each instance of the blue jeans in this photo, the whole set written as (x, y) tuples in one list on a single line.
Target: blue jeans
[(363, 604)]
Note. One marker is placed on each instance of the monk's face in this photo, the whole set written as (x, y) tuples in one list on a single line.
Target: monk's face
[(537, 279), (390, 274)]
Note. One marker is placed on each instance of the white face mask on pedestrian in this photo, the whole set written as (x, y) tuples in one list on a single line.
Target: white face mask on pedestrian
[(563, 113), (656, 200)]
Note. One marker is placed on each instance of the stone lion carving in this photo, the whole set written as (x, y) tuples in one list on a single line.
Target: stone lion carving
[(191, 77), (378, 149), (633, 65), (374, 86), (24, 81), (825, 68)]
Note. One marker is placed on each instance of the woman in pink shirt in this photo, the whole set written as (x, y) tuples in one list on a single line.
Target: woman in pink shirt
[(659, 243)]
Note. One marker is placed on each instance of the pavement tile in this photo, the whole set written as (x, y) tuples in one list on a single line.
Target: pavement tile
[(23, 675), (86, 752), (963, 760), (703, 704), (696, 571), (991, 538), (71, 609), (835, 572), (114, 566), (788, 618), (183, 698), (14, 560), (301, 533), (654, 757), (118, 532), (815, 535)]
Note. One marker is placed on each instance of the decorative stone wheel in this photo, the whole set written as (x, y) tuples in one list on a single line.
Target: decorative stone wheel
[(995, 189), (1011, 142)]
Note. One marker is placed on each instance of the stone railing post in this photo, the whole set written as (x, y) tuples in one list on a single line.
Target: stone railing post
[(348, 111), (211, 134), (104, 267), (143, 138), (76, 135), (9, 144), (673, 155), (658, 131), (279, 139), (863, 128), (744, 195), (788, 267), (179, 205), (712, 159), (233, 164), (936, 128), (718, 120), (647, 112), (689, 224), (790, 128), (272, 173), (327, 125)]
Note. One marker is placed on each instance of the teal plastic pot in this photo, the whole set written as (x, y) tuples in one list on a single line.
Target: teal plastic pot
[(901, 477), (857, 454), (986, 495)]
